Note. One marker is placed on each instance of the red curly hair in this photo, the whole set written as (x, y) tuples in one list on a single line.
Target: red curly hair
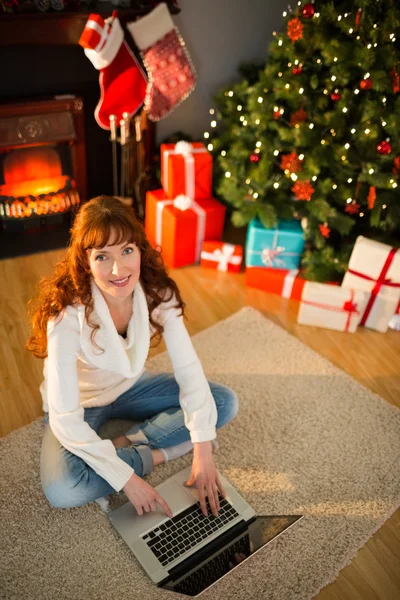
[(70, 282)]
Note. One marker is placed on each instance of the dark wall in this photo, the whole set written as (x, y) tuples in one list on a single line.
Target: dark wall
[(35, 71)]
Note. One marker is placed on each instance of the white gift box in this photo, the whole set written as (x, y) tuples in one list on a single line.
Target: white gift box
[(324, 305), (375, 267)]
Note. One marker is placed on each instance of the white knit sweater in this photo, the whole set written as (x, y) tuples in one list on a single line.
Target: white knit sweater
[(77, 375)]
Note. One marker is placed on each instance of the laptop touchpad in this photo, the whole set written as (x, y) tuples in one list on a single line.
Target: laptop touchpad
[(176, 495)]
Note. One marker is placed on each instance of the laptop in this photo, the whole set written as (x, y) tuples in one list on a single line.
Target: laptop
[(190, 551)]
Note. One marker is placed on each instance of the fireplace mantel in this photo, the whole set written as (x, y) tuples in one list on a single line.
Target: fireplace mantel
[(59, 28)]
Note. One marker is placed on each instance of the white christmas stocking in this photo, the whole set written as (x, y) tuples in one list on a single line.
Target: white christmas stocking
[(122, 81), (169, 67)]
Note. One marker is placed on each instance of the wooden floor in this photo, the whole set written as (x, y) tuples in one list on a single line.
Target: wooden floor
[(372, 358)]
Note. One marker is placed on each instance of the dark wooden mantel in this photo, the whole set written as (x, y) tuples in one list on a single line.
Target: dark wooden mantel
[(59, 28)]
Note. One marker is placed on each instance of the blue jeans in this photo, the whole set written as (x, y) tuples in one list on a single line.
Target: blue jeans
[(67, 481)]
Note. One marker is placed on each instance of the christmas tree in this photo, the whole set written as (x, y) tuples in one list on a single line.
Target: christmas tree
[(315, 135)]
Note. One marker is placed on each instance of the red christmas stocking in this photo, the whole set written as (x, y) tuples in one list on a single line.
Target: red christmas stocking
[(122, 81), (169, 67)]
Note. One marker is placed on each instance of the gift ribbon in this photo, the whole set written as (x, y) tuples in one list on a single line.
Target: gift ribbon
[(349, 306), (183, 203), (269, 256), (223, 256), (288, 283), (187, 151), (378, 283)]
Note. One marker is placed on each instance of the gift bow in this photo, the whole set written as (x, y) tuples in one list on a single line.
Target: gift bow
[(269, 255), (183, 202), (184, 148), (224, 256)]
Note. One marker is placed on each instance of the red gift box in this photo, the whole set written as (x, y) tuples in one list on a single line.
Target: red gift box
[(285, 283), (186, 169), (180, 226), (220, 256)]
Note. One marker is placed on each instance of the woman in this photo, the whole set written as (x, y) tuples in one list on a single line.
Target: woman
[(93, 323)]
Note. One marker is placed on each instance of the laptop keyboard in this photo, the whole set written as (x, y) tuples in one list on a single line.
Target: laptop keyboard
[(173, 538)]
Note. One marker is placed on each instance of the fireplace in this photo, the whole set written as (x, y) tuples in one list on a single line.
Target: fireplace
[(42, 172)]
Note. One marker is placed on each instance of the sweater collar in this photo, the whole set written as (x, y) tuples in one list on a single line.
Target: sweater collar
[(118, 356)]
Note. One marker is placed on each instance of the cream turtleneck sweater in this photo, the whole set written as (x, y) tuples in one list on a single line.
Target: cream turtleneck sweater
[(77, 375)]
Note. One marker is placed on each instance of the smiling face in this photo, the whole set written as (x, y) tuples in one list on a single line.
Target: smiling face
[(115, 269)]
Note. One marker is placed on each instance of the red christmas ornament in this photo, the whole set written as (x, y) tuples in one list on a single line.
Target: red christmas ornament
[(291, 162), (297, 70), (303, 190), (295, 29), (358, 17), (371, 197), (298, 117), (308, 11), (335, 96), (366, 84), (353, 208), (384, 147), (254, 158), (325, 231), (396, 166)]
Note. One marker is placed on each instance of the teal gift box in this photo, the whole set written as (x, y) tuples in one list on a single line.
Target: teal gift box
[(280, 247)]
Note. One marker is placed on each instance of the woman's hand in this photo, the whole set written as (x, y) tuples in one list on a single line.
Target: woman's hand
[(143, 496), (204, 475)]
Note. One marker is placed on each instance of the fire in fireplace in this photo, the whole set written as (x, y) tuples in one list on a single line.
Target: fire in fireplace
[(35, 183), (42, 165)]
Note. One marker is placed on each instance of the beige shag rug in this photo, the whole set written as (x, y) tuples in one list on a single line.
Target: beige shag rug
[(308, 439)]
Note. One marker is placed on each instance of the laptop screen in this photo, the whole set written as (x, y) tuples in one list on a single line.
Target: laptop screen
[(195, 575)]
